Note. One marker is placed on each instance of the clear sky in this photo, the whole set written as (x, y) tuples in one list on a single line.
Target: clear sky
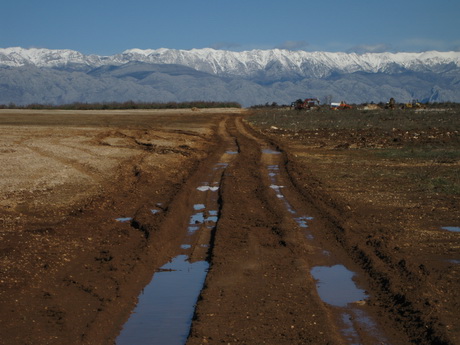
[(107, 27)]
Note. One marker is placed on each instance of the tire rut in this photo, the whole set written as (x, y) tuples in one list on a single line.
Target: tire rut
[(267, 243), (340, 235), (187, 229), (258, 288), (341, 232)]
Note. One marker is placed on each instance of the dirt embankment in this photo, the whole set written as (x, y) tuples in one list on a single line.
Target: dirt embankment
[(71, 271)]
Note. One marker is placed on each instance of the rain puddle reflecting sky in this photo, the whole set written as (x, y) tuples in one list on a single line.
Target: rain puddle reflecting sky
[(165, 308), (336, 286)]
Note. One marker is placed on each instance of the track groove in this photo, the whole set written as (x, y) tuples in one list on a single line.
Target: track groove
[(271, 285)]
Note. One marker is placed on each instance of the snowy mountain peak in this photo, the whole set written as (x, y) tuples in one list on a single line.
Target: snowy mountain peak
[(243, 64)]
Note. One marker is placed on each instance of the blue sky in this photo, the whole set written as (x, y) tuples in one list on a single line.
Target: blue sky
[(106, 27)]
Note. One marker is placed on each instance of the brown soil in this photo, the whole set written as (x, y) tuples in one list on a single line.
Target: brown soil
[(71, 274)]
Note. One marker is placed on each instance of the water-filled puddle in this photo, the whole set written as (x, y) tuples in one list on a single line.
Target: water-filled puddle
[(271, 152), (158, 209), (302, 221), (167, 304), (208, 218), (273, 173), (123, 219), (193, 228), (208, 188), (197, 218), (277, 189), (451, 228), (336, 286), (220, 166)]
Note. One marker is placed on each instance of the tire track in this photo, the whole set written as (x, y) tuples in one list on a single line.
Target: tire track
[(258, 285), (267, 246), (188, 230), (332, 232)]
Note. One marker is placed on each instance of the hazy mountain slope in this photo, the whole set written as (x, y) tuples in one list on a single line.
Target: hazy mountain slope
[(26, 85)]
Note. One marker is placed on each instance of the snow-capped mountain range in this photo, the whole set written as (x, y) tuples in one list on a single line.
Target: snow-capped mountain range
[(269, 75), (246, 63)]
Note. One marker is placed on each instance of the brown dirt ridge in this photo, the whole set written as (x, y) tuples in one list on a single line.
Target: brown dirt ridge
[(71, 272)]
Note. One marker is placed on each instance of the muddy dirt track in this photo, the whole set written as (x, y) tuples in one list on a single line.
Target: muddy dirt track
[(92, 204)]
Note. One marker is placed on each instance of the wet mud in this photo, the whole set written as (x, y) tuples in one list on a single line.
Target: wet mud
[(196, 236), (165, 309)]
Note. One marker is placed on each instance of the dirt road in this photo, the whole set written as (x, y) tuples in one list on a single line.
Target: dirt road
[(92, 207)]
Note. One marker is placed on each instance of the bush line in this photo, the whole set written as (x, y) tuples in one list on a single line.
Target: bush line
[(124, 105)]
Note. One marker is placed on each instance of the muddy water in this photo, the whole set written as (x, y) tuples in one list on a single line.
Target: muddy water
[(165, 309), (335, 282)]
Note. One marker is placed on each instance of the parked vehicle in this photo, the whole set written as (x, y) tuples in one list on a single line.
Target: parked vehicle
[(306, 104)]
